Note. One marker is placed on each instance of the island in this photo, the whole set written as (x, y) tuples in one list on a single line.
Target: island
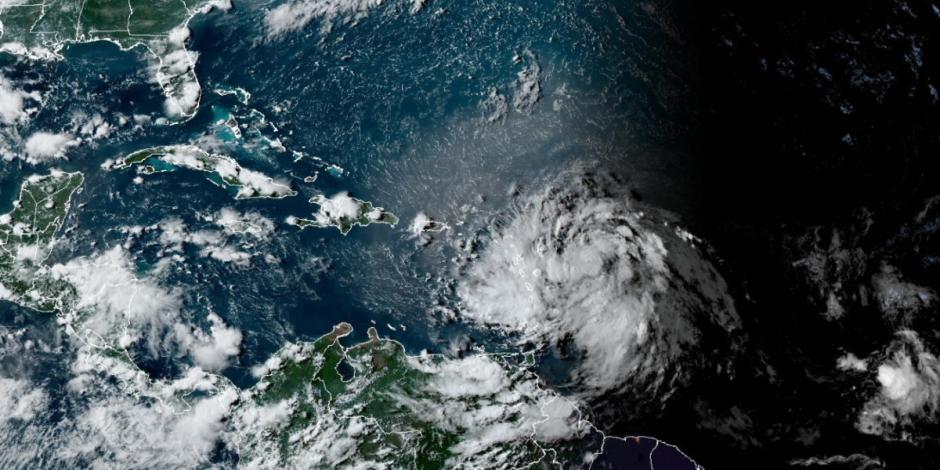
[(424, 224), (224, 170), (344, 212), (319, 403)]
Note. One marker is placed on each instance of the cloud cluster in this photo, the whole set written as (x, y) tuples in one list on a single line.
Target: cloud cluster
[(116, 429), (250, 183), (19, 400), (295, 15), (13, 103), (45, 146), (582, 262), (113, 303), (896, 296), (174, 234), (213, 350), (251, 224), (126, 418), (489, 405), (117, 416), (528, 90), (16, 108), (234, 238), (424, 224), (909, 380), (42, 147), (175, 72), (340, 206)]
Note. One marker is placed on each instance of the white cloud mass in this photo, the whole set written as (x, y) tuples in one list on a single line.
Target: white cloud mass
[(41, 147), (585, 263), (13, 103), (113, 301), (292, 16), (909, 379), (19, 400)]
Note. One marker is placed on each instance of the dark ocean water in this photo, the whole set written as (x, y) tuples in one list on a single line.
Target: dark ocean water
[(397, 101)]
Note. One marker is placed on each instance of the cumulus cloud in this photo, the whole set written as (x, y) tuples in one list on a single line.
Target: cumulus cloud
[(107, 286), (175, 72), (909, 379), (213, 351), (234, 241), (584, 263), (227, 254), (249, 183), (902, 384), (896, 296), (93, 127), (19, 400), (495, 106), (331, 442), (13, 103), (264, 418), (528, 90), (295, 15), (422, 223), (114, 303), (131, 422), (16, 108), (340, 206), (417, 6), (852, 362), (41, 147), (474, 376), (120, 431), (252, 224), (490, 404)]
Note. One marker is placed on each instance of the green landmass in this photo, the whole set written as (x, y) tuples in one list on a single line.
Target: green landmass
[(224, 170), (157, 16), (386, 409), (366, 214), (105, 17), (26, 237), (48, 23), (41, 28), (317, 404)]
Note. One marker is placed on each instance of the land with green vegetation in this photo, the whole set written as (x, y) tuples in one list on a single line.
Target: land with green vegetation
[(47, 23), (317, 404), (26, 237), (224, 170), (330, 405), (40, 29), (28, 234), (344, 212)]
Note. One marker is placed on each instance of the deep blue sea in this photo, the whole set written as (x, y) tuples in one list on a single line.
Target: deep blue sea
[(396, 100), (399, 102)]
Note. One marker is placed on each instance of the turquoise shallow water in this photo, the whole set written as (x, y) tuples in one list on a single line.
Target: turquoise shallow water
[(794, 140), (402, 105)]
